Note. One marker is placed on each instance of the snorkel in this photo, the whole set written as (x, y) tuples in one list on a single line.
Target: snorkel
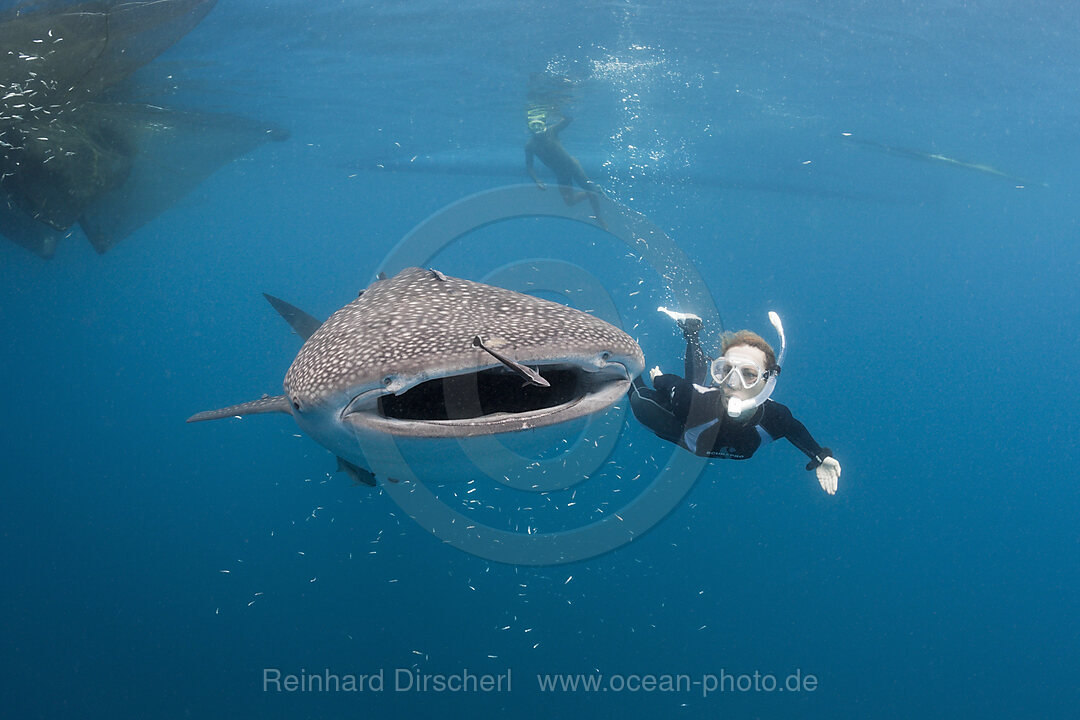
[(740, 407)]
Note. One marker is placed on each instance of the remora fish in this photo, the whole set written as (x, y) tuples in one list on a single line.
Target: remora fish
[(400, 361)]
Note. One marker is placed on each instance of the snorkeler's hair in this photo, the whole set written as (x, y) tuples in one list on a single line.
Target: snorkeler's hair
[(751, 338)]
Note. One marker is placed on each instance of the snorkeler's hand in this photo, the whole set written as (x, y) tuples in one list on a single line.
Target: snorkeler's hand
[(828, 474), (655, 373)]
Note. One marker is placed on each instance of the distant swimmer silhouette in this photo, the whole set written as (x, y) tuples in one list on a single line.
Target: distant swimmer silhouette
[(727, 414), (544, 143)]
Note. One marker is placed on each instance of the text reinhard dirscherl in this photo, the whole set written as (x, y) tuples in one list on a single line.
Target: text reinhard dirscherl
[(401, 680)]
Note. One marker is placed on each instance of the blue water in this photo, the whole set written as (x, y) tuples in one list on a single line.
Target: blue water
[(931, 309)]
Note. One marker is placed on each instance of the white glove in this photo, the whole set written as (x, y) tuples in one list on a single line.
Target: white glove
[(828, 474), (655, 373)]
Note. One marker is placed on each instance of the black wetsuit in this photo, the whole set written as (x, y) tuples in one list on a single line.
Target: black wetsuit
[(693, 416)]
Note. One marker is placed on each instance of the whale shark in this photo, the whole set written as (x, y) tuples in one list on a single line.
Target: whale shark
[(935, 157), (402, 362), (743, 172), (77, 148)]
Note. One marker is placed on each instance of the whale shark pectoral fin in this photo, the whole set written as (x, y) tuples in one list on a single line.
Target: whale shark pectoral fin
[(358, 474), (275, 404), (303, 324)]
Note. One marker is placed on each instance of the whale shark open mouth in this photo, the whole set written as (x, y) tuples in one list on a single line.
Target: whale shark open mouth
[(490, 400)]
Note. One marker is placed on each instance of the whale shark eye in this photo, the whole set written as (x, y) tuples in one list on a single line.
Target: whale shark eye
[(387, 380), (605, 355), (295, 403)]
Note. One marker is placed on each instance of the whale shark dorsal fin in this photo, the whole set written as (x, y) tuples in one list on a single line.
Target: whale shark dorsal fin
[(275, 404), (357, 473), (303, 324)]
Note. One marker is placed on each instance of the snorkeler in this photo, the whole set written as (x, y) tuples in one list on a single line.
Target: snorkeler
[(732, 416), (544, 143)]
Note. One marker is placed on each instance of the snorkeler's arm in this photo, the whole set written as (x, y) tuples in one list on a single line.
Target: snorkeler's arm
[(779, 422), (664, 382), (561, 125)]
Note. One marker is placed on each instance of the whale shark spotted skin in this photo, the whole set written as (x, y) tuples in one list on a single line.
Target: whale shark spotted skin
[(401, 361)]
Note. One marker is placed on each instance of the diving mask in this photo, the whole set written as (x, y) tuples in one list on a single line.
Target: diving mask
[(537, 119), (738, 370)]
